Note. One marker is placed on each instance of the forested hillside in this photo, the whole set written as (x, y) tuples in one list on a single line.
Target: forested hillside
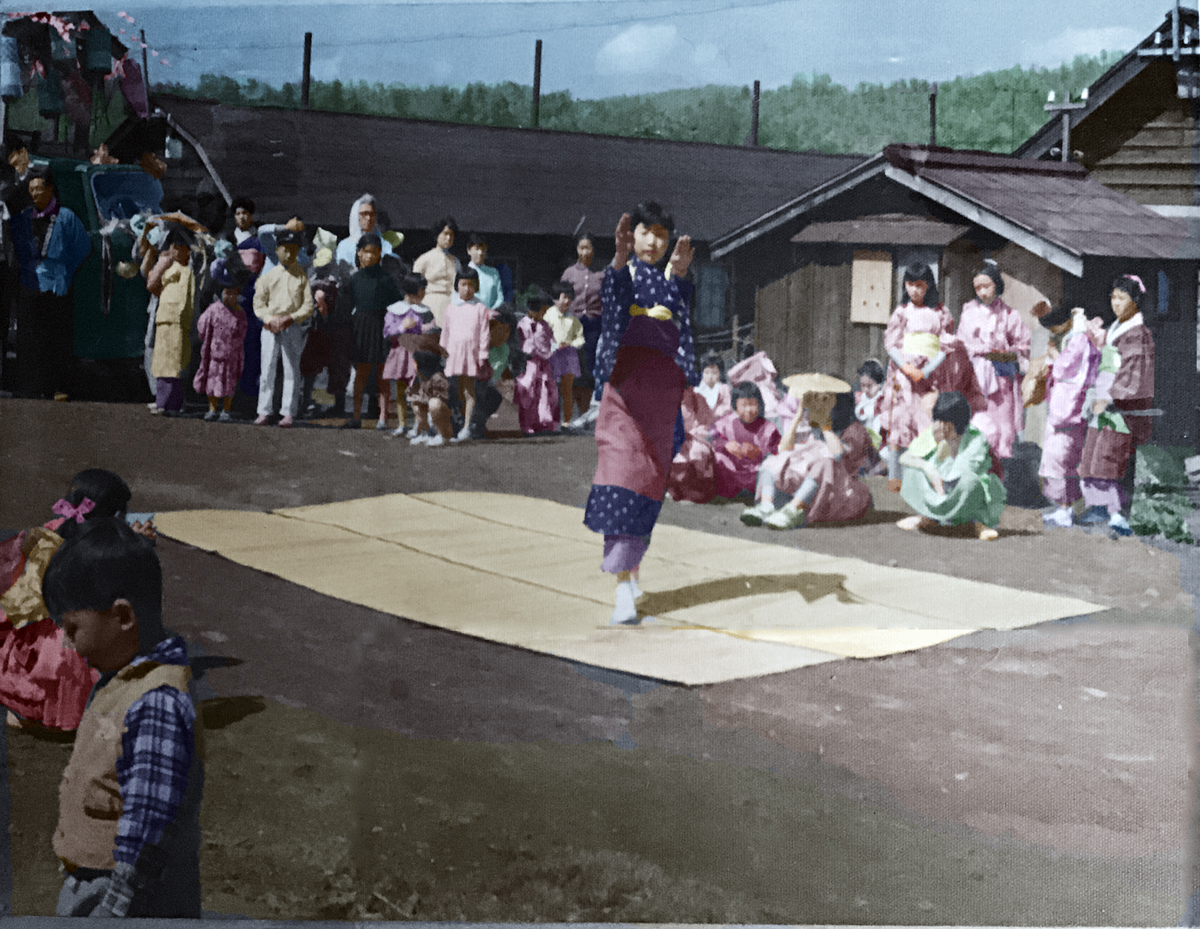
[(995, 111)]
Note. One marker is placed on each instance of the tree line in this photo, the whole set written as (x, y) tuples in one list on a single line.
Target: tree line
[(994, 111)]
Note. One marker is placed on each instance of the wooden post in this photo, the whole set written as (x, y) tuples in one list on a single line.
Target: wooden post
[(306, 80), (736, 351), (754, 101), (145, 67), (537, 83)]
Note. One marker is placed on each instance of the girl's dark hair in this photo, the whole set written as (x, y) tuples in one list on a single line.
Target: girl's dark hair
[(872, 369), (241, 203), (105, 489), (466, 274), (176, 237), (105, 561), (746, 389), (442, 224), (413, 283), (428, 363), (476, 238), (563, 287), (992, 270), (396, 268), (650, 213), (1132, 285), (952, 407), (585, 235), (843, 412), (920, 271), (711, 359)]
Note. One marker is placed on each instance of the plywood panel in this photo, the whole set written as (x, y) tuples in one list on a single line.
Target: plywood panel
[(871, 287)]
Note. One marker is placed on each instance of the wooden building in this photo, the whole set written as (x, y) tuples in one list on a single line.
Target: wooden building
[(820, 274)]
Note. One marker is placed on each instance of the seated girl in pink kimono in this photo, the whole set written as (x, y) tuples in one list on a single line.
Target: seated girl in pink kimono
[(926, 357), (693, 474), (814, 478), (1072, 373), (536, 389), (741, 440), (997, 340)]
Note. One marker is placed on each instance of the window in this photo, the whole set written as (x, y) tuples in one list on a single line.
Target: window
[(124, 194)]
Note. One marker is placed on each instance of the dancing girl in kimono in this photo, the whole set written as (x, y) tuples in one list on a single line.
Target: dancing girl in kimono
[(644, 360)]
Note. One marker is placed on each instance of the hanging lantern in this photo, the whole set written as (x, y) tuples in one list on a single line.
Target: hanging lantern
[(10, 68), (50, 93)]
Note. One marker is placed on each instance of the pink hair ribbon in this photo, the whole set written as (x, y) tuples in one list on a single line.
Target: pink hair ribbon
[(1134, 277), (67, 511)]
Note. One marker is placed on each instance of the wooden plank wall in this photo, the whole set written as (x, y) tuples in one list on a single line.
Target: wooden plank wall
[(1155, 165)]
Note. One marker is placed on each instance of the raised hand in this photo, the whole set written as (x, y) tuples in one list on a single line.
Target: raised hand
[(681, 258), (624, 241)]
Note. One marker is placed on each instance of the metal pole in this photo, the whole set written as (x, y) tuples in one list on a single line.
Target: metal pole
[(933, 115), (537, 83), (1066, 135), (754, 113), (306, 80), (145, 67)]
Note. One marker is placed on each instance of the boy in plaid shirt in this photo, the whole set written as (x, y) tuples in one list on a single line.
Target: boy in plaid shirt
[(128, 831)]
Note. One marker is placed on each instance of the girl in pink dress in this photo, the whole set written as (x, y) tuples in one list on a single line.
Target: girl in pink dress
[(464, 339), (42, 681), (997, 340), (222, 330), (405, 317), (536, 390), (693, 475), (925, 359), (741, 440)]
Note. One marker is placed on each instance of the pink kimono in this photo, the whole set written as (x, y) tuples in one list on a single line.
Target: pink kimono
[(536, 391), (907, 330), (400, 365), (1073, 372), (222, 354), (693, 474), (760, 371), (840, 494), (464, 337), (997, 328), (735, 474)]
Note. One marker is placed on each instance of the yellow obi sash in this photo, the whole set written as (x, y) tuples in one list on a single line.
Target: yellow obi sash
[(658, 311), (921, 343)]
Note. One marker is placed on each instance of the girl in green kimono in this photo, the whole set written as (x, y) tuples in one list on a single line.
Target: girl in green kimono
[(948, 475)]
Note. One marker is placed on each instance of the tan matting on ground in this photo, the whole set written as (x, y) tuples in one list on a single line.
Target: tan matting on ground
[(525, 572)]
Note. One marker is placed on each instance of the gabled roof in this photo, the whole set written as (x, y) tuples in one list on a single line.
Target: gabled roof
[(1053, 209), (494, 180), (1157, 46)]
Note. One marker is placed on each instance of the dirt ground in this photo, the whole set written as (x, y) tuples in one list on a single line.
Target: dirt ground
[(364, 766)]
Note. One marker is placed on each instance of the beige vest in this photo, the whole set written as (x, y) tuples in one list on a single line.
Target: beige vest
[(89, 798)]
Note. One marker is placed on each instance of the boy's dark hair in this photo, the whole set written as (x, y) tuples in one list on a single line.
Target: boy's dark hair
[(712, 359), (992, 270), (428, 363), (872, 369), (367, 239), (919, 271), (397, 269), (650, 213), (241, 203), (105, 489), (843, 412), (536, 298), (414, 283), (442, 224), (476, 238), (175, 237), (952, 407), (103, 562), (746, 389), (563, 287), (466, 274), (1056, 317), (585, 235)]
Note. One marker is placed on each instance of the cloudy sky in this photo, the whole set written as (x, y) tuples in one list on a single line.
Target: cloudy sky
[(595, 48)]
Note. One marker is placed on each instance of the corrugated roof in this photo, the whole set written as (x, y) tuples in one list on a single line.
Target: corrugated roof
[(491, 179)]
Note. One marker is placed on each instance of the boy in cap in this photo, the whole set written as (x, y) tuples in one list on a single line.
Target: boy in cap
[(282, 300)]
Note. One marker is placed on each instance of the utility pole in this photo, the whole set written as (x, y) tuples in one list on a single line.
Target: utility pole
[(933, 114), (537, 83), (1065, 108), (306, 80), (145, 67), (754, 114)]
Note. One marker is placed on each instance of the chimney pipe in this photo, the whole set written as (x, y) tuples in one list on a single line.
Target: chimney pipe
[(306, 81), (537, 82), (754, 114)]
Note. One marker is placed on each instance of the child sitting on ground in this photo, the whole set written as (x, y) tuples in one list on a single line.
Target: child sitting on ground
[(741, 440), (568, 340), (128, 830), (405, 317), (536, 391), (464, 339), (430, 400), (222, 330)]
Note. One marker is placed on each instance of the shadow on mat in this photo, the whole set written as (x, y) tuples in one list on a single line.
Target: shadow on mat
[(225, 711), (810, 585)]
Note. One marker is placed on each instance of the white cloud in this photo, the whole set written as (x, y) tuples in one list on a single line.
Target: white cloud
[(1071, 42), (638, 49)]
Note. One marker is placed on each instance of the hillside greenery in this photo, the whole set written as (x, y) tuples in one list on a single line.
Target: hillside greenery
[(995, 111)]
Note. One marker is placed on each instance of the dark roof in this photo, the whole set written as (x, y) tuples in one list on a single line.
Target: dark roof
[(1157, 46), (1053, 209), (490, 179)]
